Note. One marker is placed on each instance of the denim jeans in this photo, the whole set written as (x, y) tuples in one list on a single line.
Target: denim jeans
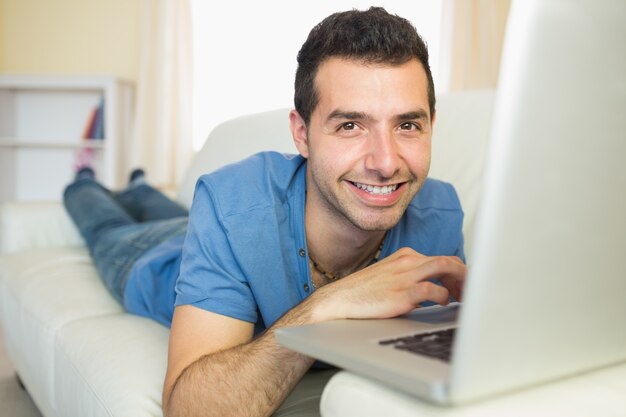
[(119, 227)]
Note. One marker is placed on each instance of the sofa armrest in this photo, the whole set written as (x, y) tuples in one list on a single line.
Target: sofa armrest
[(351, 395), (36, 225)]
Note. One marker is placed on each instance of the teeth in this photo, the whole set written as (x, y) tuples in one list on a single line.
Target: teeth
[(374, 189)]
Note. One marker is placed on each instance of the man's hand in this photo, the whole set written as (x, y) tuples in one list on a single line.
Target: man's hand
[(391, 287)]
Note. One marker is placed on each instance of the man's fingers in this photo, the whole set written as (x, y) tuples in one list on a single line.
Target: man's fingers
[(454, 285), (441, 266), (401, 282), (427, 291), (457, 260), (450, 270)]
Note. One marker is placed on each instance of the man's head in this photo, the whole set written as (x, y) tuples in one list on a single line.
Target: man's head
[(373, 36), (365, 124)]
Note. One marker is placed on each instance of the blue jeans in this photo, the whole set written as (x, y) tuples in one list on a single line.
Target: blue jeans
[(120, 227)]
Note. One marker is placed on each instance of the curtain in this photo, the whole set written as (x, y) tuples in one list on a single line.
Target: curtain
[(162, 139), (472, 37)]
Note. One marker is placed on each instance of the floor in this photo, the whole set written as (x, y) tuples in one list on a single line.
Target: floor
[(14, 401)]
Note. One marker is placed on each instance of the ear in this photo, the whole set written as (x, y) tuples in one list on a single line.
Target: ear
[(299, 133)]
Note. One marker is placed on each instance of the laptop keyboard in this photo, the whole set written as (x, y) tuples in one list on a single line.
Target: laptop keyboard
[(436, 345)]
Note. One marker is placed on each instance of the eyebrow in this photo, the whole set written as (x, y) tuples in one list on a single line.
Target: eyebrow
[(357, 115), (413, 115), (343, 115)]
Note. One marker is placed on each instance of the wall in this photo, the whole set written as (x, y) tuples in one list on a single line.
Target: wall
[(228, 83), (70, 37)]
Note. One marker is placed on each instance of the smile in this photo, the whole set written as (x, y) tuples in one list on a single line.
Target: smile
[(375, 189)]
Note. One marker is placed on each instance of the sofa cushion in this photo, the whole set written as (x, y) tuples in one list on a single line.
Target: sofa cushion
[(43, 290), (111, 366)]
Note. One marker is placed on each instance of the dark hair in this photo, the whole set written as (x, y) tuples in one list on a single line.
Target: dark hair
[(373, 36)]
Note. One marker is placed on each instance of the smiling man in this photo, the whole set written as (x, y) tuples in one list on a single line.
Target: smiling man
[(369, 147), (349, 228)]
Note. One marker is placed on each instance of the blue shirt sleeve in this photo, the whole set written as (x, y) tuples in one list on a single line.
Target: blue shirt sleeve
[(210, 276)]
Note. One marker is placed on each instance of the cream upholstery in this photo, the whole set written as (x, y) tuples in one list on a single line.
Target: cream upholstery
[(601, 393)]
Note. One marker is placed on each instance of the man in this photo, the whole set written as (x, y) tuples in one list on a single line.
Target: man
[(339, 231)]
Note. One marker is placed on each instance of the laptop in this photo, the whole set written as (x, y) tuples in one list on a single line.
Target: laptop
[(545, 295)]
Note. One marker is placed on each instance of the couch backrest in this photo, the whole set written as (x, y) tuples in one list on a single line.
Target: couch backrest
[(237, 139), (460, 136)]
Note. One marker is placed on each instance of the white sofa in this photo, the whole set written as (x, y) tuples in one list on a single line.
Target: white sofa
[(75, 349)]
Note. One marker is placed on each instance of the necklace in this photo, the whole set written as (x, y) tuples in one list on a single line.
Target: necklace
[(332, 277)]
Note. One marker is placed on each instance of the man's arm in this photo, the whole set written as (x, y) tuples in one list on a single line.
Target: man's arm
[(225, 373), (249, 379)]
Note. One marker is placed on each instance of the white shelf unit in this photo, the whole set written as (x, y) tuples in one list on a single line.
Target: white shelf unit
[(42, 120)]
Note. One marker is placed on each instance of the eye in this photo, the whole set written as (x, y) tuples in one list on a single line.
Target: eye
[(349, 129), (347, 126), (410, 126)]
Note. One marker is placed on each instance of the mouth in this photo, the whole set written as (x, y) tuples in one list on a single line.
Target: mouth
[(378, 195), (376, 189)]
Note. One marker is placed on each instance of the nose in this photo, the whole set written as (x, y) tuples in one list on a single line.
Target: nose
[(383, 154)]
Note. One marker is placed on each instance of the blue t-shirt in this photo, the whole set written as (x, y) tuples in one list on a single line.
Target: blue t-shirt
[(245, 253), (149, 290)]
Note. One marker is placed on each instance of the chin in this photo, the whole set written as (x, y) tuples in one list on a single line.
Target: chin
[(372, 224)]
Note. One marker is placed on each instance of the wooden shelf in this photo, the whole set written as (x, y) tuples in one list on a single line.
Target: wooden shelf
[(38, 144)]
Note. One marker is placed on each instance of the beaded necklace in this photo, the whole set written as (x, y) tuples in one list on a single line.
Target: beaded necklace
[(332, 277)]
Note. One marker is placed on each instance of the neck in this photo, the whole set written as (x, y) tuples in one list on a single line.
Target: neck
[(339, 248)]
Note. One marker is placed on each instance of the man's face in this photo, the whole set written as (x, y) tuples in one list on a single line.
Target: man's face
[(368, 142)]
